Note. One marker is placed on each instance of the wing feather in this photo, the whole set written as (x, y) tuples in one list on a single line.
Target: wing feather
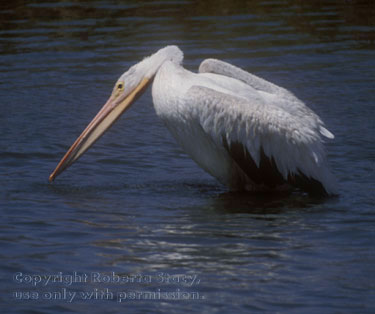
[(276, 94), (274, 140)]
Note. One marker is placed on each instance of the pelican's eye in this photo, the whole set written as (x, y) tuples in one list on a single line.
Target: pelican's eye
[(120, 86)]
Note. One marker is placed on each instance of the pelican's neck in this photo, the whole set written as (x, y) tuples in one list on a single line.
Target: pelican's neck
[(153, 63)]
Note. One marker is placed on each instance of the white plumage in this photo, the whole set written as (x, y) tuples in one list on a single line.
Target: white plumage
[(248, 133)]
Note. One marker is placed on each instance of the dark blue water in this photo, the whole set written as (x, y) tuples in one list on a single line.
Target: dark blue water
[(135, 226)]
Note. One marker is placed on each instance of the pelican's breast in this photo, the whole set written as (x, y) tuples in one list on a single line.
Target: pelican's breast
[(170, 86)]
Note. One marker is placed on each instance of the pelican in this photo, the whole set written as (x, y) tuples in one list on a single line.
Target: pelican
[(250, 134)]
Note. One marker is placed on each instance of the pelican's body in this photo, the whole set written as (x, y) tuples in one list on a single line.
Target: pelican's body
[(248, 133)]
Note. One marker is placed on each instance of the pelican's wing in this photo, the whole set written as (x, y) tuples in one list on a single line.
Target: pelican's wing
[(268, 143), (274, 94)]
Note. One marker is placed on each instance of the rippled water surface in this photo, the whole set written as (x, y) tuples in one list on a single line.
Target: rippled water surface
[(135, 220)]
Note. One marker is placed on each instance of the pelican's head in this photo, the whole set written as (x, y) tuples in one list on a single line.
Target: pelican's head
[(128, 87)]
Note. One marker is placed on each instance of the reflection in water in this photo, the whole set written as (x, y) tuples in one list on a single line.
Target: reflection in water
[(264, 203)]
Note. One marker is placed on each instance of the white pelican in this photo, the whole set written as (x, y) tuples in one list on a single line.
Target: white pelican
[(250, 134)]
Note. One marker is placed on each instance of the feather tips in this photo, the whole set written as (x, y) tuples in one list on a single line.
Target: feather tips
[(264, 132)]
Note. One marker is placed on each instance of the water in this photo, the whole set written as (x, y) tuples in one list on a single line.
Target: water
[(136, 206)]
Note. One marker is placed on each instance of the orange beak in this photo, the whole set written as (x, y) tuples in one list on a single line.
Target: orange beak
[(110, 112)]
